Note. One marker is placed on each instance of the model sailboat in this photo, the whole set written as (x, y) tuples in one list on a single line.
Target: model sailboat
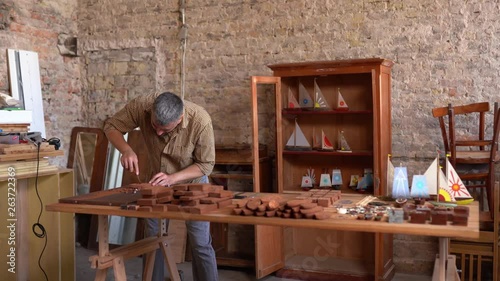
[(297, 140), (343, 145), (305, 100), (456, 187), (448, 187), (292, 101), (319, 99), (341, 104)]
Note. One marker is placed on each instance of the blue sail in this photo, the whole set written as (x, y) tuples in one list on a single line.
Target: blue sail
[(400, 188), (419, 188)]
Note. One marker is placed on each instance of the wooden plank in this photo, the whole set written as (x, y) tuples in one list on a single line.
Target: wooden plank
[(25, 156)]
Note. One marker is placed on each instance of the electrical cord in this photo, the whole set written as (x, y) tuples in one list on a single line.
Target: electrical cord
[(38, 228)]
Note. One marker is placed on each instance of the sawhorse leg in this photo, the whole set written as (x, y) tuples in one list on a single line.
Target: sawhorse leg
[(116, 257), (445, 268)]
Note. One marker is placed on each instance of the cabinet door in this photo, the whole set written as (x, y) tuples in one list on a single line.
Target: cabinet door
[(269, 255)]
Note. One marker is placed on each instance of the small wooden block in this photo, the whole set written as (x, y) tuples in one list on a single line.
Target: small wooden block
[(260, 213), (191, 198), (322, 216), (145, 209), (209, 200), (165, 199), (165, 192), (308, 205), (297, 202), (271, 213), (324, 202), (221, 194), (262, 207), (272, 205), (146, 202), (253, 204), (179, 193), (247, 212), (173, 208), (224, 203), (180, 187), (160, 208), (194, 193), (199, 187), (314, 210), (237, 211), (203, 208)]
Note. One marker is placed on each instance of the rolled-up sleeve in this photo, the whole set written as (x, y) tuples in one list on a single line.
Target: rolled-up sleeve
[(204, 152)]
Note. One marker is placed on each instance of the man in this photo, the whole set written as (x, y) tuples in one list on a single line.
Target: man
[(180, 142)]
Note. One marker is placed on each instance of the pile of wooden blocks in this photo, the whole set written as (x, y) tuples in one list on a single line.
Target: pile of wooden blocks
[(190, 198), (323, 197), (275, 206)]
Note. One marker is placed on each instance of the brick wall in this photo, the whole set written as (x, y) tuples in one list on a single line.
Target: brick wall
[(444, 51), (34, 26)]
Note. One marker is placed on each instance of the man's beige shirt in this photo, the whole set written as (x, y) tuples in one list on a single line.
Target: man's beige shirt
[(192, 141)]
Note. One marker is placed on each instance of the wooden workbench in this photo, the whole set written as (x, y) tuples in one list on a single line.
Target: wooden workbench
[(336, 222)]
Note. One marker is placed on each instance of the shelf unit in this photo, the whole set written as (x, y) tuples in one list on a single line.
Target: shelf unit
[(365, 85)]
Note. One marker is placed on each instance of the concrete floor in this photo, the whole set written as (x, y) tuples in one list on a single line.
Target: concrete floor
[(133, 269)]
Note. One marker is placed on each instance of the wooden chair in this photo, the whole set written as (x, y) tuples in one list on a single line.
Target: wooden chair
[(478, 259), (471, 153)]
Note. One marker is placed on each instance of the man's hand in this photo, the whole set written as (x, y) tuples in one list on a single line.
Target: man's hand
[(130, 161), (162, 179)]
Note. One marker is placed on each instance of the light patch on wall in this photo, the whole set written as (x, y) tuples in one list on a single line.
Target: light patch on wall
[(25, 85)]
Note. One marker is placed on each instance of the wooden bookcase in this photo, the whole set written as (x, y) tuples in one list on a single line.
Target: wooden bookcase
[(365, 85)]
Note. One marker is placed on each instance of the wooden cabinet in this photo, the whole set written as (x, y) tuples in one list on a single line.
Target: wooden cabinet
[(365, 85), (19, 241), (234, 243)]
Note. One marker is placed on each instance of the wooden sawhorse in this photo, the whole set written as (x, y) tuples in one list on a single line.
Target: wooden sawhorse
[(116, 257)]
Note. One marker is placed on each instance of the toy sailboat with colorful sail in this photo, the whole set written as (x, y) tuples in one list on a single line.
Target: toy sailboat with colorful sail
[(305, 100), (297, 140), (341, 104), (456, 187), (448, 187), (343, 145), (400, 187), (292, 101), (319, 99), (325, 142)]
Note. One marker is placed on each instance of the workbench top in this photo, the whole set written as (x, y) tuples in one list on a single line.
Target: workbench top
[(335, 222)]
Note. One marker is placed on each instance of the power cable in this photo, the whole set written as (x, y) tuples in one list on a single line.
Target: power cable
[(38, 228)]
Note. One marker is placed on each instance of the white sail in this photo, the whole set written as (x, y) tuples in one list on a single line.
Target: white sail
[(390, 175), (455, 184), (292, 101), (305, 100), (341, 104), (297, 138), (431, 177), (319, 99)]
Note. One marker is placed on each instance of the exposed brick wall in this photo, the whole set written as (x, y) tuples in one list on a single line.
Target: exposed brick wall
[(34, 26), (444, 51)]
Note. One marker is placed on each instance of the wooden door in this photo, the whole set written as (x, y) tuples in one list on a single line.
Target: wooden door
[(269, 254)]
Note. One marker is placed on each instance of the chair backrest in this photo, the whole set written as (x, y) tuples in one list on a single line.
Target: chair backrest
[(474, 142)]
